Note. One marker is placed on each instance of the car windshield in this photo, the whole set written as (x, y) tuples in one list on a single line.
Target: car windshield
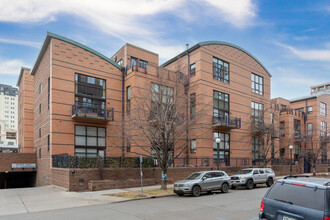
[(244, 171), (193, 176)]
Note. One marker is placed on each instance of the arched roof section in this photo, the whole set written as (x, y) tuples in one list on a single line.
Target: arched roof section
[(204, 43)]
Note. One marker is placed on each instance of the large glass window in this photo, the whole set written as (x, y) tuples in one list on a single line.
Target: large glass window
[(89, 141), (323, 128), (160, 93), (220, 70), (257, 83), (90, 92), (257, 113), (143, 64), (192, 104), (310, 129), (128, 99), (297, 127), (257, 148), (224, 146), (193, 146), (193, 69), (323, 109), (220, 105)]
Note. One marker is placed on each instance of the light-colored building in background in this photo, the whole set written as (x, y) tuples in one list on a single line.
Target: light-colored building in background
[(8, 118)]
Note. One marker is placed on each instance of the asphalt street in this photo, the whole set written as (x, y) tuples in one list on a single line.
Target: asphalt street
[(240, 204)]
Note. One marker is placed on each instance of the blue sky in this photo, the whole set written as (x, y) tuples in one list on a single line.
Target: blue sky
[(291, 38)]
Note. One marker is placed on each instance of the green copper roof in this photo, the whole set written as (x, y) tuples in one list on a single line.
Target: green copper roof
[(213, 43), (59, 37), (310, 96), (21, 74)]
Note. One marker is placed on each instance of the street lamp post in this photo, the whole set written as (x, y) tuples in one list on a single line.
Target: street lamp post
[(290, 147), (218, 140)]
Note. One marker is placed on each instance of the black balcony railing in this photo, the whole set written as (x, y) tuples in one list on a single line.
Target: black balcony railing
[(226, 122), (95, 112)]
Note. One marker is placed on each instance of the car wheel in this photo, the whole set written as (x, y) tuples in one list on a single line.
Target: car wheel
[(233, 187), (180, 194), (196, 191), (249, 184), (269, 182), (224, 187)]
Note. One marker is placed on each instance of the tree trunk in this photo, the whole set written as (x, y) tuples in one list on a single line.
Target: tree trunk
[(164, 181)]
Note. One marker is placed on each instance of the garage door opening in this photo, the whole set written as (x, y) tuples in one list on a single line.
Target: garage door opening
[(17, 179)]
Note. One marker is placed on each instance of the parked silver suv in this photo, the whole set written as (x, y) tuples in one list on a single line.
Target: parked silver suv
[(253, 176), (204, 181)]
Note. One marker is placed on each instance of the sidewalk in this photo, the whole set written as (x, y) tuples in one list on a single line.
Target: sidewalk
[(34, 199)]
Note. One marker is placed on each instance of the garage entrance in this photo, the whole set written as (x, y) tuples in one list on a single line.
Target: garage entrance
[(17, 179)]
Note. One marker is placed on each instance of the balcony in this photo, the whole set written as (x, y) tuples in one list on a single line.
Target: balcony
[(89, 113), (225, 122)]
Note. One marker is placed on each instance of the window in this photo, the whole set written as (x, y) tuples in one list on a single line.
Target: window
[(162, 94), (89, 141), (39, 152), (40, 88), (48, 143), (134, 61), (192, 104), (90, 93), (297, 127), (323, 128), (224, 146), (257, 113), (128, 99), (300, 109), (310, 129), (40, 108), (283, 106), (143, 64), (309, 109), (48, 92), (39, 132), (220, 70), (323, 109), (257, 83), (120, 62), (128, 145), (11, 135), (297, 150), (193, 69), (193, 146), (257, 148), (220, 105)]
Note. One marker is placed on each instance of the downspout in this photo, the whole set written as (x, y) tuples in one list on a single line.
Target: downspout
[(123, 113), (187, 102)]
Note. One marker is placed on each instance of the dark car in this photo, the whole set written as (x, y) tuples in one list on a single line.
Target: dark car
[(295, 198)]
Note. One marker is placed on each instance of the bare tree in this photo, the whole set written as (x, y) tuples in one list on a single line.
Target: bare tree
[(158, 123), (266, 130), (319, 147)]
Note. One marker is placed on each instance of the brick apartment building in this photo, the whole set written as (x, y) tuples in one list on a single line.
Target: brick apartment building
[(74, 100)]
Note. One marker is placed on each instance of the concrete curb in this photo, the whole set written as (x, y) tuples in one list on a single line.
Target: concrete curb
[(152, 197)]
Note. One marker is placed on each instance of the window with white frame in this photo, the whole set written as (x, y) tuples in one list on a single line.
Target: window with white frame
[(323, 109), (257, 84)]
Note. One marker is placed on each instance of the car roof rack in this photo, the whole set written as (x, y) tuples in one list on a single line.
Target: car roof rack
[(296, 176)]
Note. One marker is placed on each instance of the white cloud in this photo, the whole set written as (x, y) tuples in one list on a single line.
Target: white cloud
[(237, 12), (312, 54), (20, 42), (10, 67)]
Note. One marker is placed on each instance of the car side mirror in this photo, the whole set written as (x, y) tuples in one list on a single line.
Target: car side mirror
[(204, 178)]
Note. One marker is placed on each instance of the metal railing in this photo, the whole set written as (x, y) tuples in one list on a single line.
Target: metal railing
[(93, 112), (224, 120)]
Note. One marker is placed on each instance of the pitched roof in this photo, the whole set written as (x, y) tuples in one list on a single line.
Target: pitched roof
[(213, 43), (59, 37), (21, 74)]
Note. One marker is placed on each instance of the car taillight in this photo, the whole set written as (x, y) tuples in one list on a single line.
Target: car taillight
[(262, 206), (326, 218), (298, 184)]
